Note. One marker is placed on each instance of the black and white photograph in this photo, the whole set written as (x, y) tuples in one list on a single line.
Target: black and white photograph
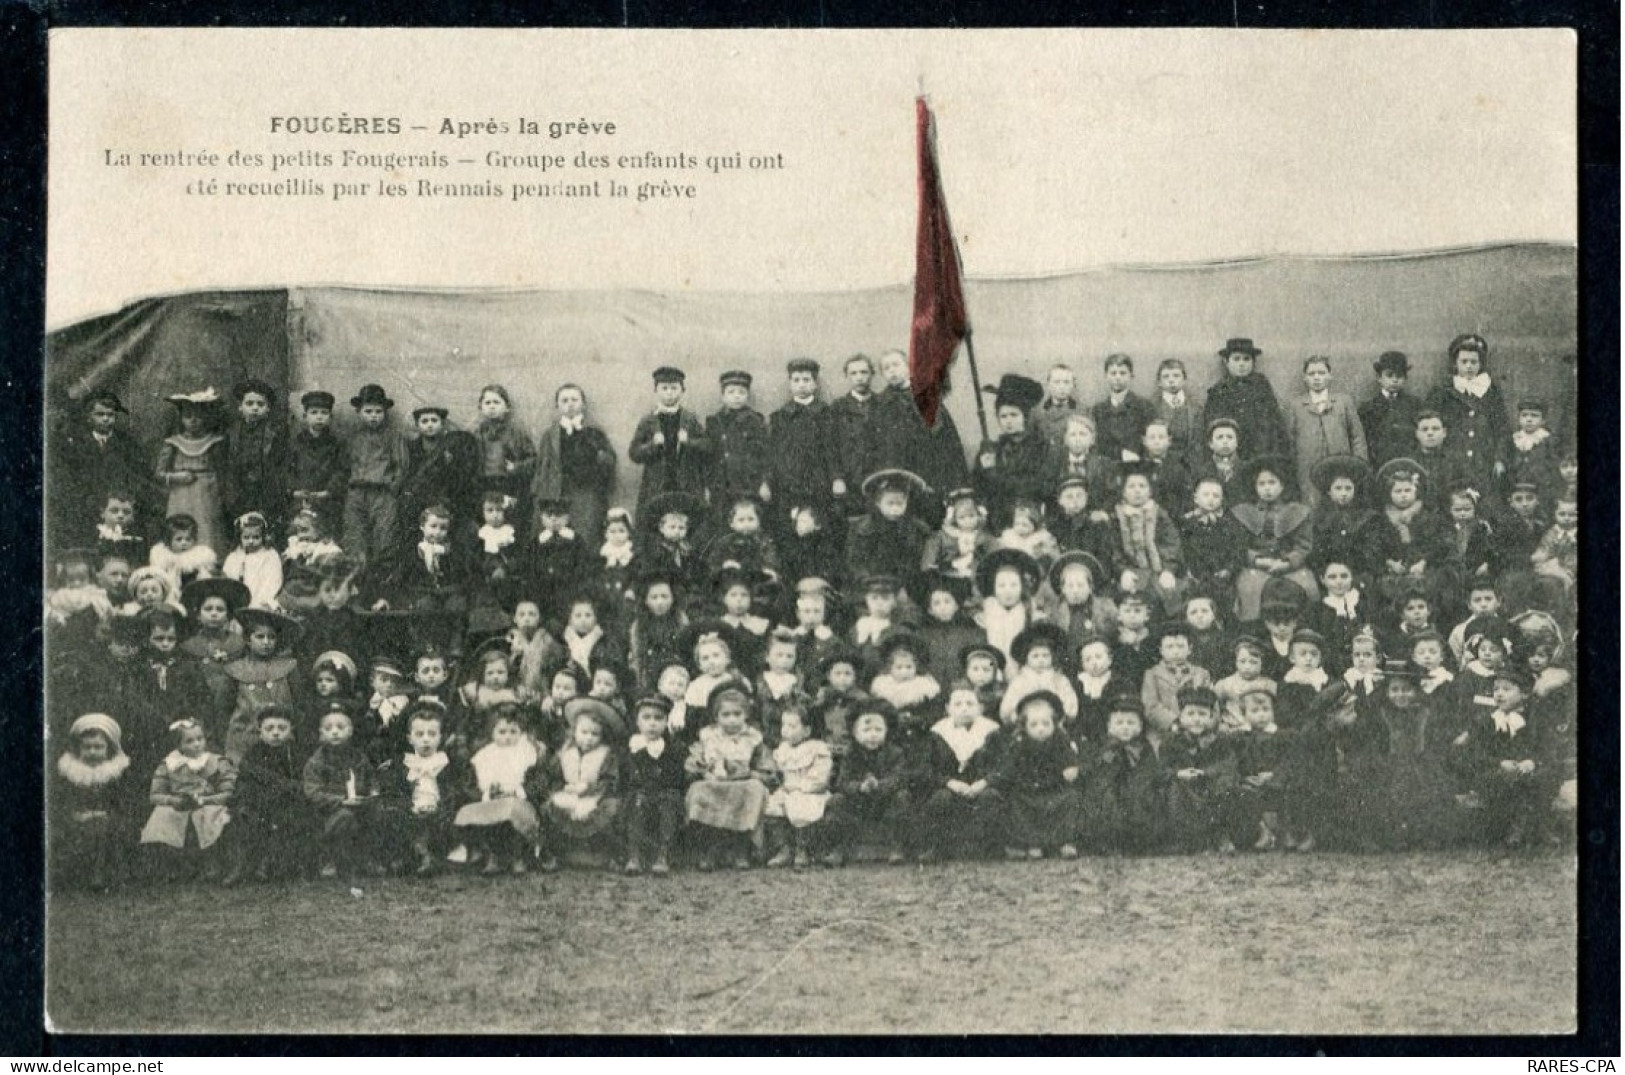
[(795, 532)]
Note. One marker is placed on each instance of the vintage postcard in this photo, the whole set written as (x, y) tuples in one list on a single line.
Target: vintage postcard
[(811, 532)]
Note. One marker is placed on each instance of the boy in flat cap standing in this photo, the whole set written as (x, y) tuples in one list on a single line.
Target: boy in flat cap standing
[(805, 468), (94, 456), (442, 467), (315, 460), (739, 444), (670, 443)]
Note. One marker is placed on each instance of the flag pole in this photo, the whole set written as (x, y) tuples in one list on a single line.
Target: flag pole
[(976, 383)]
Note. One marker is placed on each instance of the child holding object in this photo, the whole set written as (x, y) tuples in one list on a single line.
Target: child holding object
[(730, 768), (190, 792)]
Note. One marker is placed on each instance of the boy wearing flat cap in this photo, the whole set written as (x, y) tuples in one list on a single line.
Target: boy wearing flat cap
[(315, 462), (256, 448), (805, 466), (442, 467), (739, 444), (670, 443)]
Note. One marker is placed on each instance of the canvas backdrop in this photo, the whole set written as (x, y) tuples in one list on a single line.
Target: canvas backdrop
[(442, 346)]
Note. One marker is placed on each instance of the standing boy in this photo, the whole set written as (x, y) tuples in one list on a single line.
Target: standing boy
[(1121, 418), (669, 442), (739, 444), (377, 466)]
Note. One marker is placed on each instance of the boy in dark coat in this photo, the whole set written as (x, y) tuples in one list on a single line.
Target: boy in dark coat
[(271, 824), (1037, 776), (555, 561), (1125, 785), (442, 467), (256, 455), (94, 456), (1019, 465), (652, 783), (1121, 418), (315, 462), (1202, 765), (851, 426), (419, 790), (1246, 397), (801, 451), (961, 753), (740, 444), (1389, 417), (670, 443), (872, 787), (888, 541)]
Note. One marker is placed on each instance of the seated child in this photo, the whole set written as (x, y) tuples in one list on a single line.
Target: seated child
[(946, 628), (1098, 690), (270, 820), (1247, 677), (1483, 600), (652, 640), (1008, 580), (1037, 777), (1134, 647), (91, 801), (1040, 651), (1168, 679), (879, 620), (180, 556), (254, 563), (729, 766), (500, 817), (617, 567), (1126, 790), (743, 546), (1419, 790), (838, 699), (556, 561), (982, 666), (1435, 680), (653, 788), (584, 777), (1303, 683), (1264, 759), (961, 810), (815, 633), (1203, 768), (1073, 601), (1210, 643), (1338, 784), (585, 639), (913, 692), (871, 788), (713, 663), (264, 675), (1028, 533), (419, 789), (1364, 673), (795, 808), (957, 548), (190, 791), (1075, 527), (1504, 761), (1339, 615), (311, 552), (381, 730), (778, 686), (339, 783)]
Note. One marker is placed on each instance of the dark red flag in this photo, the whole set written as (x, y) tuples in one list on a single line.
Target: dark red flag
[(939, 298)]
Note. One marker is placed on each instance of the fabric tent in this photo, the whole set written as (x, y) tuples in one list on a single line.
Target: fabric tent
[(441, 347)]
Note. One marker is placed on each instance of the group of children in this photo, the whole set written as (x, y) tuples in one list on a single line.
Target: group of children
[(1143, 626)]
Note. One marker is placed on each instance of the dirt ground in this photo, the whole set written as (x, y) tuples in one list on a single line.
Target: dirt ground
[(1460, 943)]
